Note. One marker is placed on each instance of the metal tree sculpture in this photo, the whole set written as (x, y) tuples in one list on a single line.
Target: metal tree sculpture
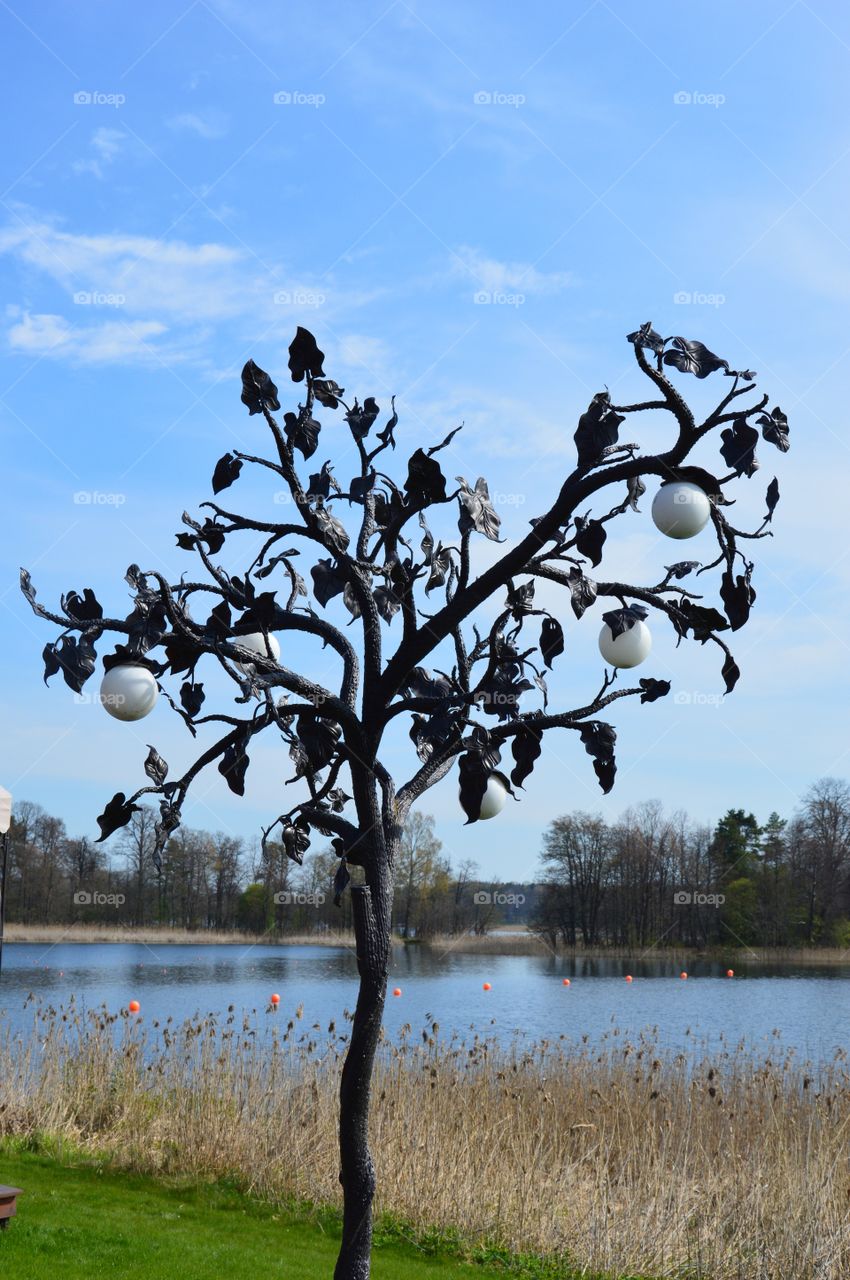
[(469, 714)]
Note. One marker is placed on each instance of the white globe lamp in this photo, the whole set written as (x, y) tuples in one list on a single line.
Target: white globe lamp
[(494, 799), (680, 509), (129, 691), (629, 649), (256, 642)]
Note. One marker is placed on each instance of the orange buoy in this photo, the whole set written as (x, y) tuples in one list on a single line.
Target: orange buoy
[(628, 977), (730, 973), (275, 999), (566, 982), (134, 1006), (683, 974), (396, 991), (487, 987)]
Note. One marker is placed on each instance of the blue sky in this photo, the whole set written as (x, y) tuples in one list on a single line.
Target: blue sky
[(182, 187)]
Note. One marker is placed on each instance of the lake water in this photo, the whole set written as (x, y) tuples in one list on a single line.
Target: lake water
[(769, 1006)]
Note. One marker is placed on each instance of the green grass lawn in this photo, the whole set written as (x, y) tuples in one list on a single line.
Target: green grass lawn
[(80, 1221)]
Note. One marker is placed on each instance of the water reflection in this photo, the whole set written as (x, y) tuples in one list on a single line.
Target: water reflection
[(807, 1005)]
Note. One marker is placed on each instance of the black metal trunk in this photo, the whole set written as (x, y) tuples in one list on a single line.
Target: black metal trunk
[(371, 904)]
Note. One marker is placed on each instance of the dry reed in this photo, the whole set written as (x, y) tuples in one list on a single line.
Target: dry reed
[(619, 1156)]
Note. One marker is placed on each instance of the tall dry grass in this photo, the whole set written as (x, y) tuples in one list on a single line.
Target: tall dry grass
[(619, 1157)]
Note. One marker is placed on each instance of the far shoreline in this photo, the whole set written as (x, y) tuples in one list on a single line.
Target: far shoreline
[(506, 942)]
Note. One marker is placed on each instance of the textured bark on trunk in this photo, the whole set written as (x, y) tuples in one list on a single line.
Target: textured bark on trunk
[(357, 1172)]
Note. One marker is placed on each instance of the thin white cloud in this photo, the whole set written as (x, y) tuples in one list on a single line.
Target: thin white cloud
[(507, 277), (106, 144), (167, 292), (107, 342), (208, 125)]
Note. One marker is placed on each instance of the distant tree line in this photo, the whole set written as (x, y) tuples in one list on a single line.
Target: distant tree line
[(656, 878), (213, 881), (649, 878)]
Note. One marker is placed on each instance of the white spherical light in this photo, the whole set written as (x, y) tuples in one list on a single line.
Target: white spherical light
[(256, 642), (680, 509), (129, 691), (629, 649), (493, 801)]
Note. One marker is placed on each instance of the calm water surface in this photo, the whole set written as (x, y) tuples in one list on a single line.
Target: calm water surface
[(769, 1006)]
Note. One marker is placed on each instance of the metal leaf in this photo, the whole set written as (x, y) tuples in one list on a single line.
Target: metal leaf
[(155, 767), (621, 620), (526, 747), (598, 429), (116, 814), (305, 356), (302, 432), (233, 765), (774, 428), (693, 357), (646, 336), (360, 417), (327, 392), (425, 481), (192, 697), (551, 640), (476, 510), (582, 591), (738, 596), (227, 470), (341, 881), (599, 739), (328, 581), (739, 447), (653, 689), (590, 538), (258, 390)]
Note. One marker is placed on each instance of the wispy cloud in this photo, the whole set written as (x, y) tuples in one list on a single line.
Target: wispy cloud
[(498, 277), (207, 124), (106, 144)]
